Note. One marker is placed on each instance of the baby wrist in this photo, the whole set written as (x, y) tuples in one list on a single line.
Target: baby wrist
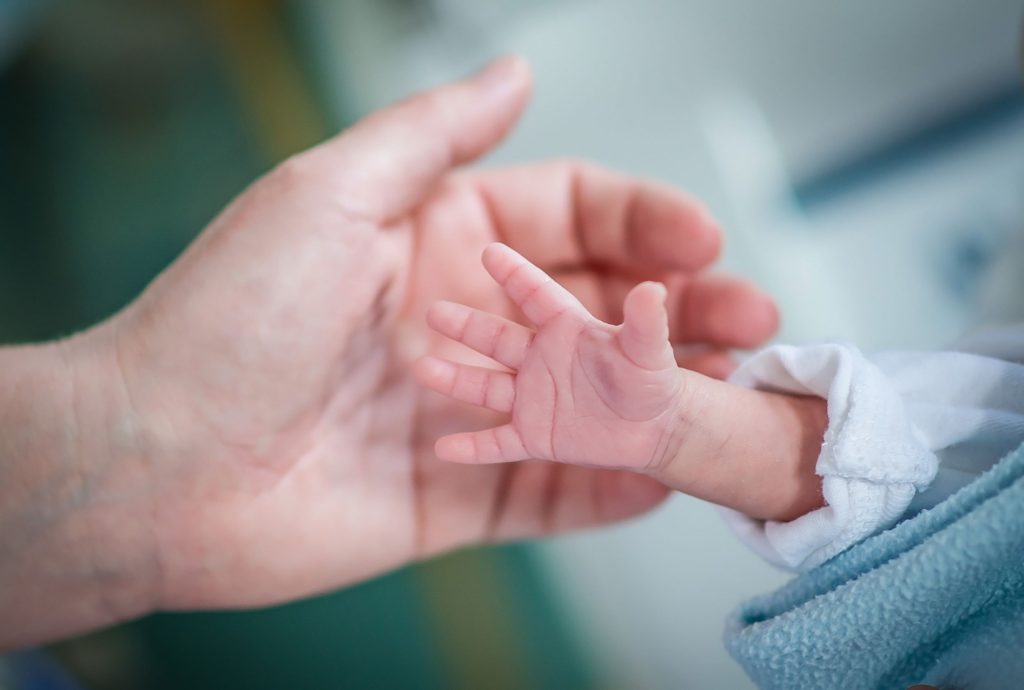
[(749, 450)]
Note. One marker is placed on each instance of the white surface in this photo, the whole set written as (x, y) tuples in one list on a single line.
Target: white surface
[(660, 88)]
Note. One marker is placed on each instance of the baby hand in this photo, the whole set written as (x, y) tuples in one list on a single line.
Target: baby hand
[(583, 392), (579, 390)]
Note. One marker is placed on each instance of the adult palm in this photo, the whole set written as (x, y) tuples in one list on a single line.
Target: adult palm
[(275, 443)]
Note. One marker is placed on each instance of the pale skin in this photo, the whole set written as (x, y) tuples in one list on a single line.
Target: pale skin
[(249, 431), (582, 392)]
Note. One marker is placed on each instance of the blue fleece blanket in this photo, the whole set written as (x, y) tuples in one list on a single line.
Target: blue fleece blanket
[(938, 599)]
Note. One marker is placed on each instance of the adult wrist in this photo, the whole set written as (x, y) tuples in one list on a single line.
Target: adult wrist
[(72, 556), (119, 501)]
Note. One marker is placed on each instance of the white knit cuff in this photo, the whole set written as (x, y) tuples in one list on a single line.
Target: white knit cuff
[(872, 462)]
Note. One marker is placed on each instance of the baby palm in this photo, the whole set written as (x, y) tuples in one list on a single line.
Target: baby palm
[(579, 390)]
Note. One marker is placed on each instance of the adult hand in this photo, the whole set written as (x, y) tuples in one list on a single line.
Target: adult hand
[(262, 436)]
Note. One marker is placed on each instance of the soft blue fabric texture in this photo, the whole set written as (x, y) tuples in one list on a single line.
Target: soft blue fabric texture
[(938, 599)]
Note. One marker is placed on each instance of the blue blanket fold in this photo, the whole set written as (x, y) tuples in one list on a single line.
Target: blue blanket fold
[(938, 599)]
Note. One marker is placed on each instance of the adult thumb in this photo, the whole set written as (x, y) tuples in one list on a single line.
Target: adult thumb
[(387, 162)]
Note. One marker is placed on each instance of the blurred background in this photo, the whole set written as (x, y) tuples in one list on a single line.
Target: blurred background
[(866, 159)]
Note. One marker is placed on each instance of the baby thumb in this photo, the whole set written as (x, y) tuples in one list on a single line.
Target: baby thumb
[(644, 334)]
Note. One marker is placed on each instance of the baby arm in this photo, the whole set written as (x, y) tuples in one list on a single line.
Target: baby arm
[(583, 392)]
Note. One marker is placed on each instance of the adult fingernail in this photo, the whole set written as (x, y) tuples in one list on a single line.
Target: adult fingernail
[(504, 75)]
